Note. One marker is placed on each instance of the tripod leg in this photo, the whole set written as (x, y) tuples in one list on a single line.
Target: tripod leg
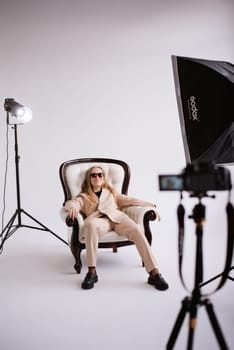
[(9, 224), (192, 326), (215, 325), (45, 228), (229, 277), (7, 229), (178, 323)]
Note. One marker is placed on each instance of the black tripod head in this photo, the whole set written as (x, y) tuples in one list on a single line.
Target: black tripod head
[(198, 214)]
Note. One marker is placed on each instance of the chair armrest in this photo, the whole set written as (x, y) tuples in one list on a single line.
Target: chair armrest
[(142, 215), (70, 222), (74, 226), (73, 222), (137, 213)]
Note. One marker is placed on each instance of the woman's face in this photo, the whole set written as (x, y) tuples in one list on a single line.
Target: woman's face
[(96, 178)]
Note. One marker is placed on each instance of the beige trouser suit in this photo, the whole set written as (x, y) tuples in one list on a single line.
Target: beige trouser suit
[(102, 215)]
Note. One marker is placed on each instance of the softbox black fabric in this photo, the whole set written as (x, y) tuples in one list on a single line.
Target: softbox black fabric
[(205, 98)]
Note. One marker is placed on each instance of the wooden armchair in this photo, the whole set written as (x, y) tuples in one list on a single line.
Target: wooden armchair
[(72, 174)]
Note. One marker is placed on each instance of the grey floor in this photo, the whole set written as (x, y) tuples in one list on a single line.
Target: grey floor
[(43, 306)]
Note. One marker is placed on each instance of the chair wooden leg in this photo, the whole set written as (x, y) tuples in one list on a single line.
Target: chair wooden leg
[(78, 263), (115, 249)]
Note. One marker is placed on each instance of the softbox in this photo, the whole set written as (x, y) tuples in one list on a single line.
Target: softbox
[(205, 99)]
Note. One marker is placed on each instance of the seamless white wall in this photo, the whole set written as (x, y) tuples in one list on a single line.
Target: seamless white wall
[(98, 77)]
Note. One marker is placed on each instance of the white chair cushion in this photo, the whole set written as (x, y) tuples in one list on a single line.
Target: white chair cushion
[(111, 236)]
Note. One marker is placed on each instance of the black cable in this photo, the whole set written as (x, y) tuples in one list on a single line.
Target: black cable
[(229, 249), (5, 183), (181, 232)]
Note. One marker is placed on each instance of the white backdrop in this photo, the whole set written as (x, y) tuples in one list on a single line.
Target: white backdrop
[(98, 77)]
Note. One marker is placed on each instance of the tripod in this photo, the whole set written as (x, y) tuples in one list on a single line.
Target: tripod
[(190, 304), (16, 220)]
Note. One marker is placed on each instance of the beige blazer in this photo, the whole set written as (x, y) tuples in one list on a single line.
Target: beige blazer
[(106, 204)]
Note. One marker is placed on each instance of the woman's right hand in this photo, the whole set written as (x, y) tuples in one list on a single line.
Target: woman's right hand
[(73, 213)]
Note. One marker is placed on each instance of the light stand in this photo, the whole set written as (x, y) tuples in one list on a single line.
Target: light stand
[(15, 222), (190, 304)]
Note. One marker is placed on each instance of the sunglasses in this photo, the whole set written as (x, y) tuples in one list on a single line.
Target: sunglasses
[(94, 175)]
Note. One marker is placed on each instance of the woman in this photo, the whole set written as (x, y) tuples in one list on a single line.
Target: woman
[(102, 205)]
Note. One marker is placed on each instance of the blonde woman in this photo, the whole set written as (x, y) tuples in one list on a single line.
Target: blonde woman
[(102, 205)]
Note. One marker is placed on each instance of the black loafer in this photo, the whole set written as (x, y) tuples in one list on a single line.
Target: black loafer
[(158, 282), (89, 280)]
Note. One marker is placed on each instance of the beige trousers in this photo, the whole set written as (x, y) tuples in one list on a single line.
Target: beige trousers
[(94, 227)]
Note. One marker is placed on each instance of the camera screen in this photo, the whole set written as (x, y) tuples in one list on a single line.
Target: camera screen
[(170, 183)]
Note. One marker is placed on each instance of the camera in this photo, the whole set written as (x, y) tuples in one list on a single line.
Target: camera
[(198, 178)]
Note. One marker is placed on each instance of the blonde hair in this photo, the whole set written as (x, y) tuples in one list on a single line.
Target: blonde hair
[(87, 187)]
